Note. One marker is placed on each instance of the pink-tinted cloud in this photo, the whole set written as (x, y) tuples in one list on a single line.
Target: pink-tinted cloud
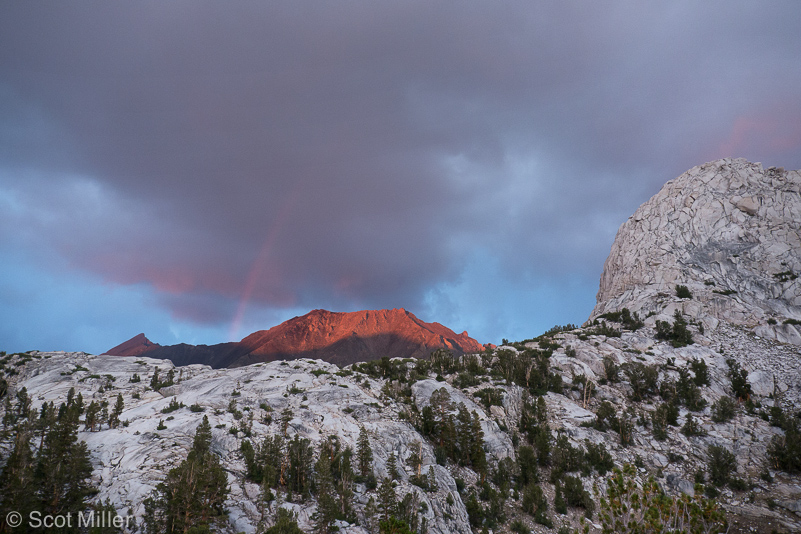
[(770, 135)]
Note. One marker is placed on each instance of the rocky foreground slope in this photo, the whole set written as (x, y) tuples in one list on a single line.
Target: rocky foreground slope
[(320, 400)]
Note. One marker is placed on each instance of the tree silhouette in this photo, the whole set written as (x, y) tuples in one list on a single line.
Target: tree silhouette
[(192, 496)]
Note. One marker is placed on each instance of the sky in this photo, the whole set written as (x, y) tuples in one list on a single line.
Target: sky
[(199, 170)]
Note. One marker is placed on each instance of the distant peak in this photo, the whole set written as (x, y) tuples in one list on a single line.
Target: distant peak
[(137, 345)]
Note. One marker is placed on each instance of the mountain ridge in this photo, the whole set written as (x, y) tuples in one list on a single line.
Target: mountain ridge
[(338, 337)]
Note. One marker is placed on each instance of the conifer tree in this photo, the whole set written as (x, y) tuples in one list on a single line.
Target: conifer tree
[(114, 418), (286, 417), (392, 466), (286, 522), (78, 405), (444, 428), (464, 436), (299, 473), (371, 515), (47, 418), (107, 511), (53, 480), (559, 503), (16, 480), (23, 403), (432, 479), (92, 416), (273, 458), (255, 471), (155, 383), (415, 459), (387, 500), (478, 457), (63, 466), (8, 416), (364, 453), (103, 417), (327, 505), (193, 494), (345, 477)]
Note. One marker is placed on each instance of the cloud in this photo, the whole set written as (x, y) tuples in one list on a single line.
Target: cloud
[(244, 162)]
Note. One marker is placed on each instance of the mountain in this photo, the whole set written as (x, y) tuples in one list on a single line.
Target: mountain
[(341, 338), (730, 231), (345, 338), (135, 346)]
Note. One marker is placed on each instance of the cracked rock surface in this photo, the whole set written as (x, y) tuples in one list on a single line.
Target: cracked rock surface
[(730, 231)]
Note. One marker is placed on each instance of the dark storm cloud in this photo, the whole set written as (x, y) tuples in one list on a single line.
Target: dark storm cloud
[(356, 154)]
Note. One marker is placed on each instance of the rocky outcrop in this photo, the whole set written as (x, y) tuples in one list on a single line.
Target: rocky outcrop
[(320, 398), (730, 231), (340, 338)]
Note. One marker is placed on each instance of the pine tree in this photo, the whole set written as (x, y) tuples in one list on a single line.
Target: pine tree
[(415, 459), (299, 473), (255, 472), (370, 519), (47, 418), (78, 405), (286, 417), (387, 500), (559, 503), (392, 466), (534, 503), (478, 457), (345, 478), (327, 505), (54, 481), (92, 416), (286, 522), (364, 453), (114, 418), (62, 466), (155, 383), (193, 494), (432, 479), (17, 485), (8, 416), (441, 405), (464, 436), (103, 417), (527, 463), (107, 510), (23, 404), (273, 459)]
